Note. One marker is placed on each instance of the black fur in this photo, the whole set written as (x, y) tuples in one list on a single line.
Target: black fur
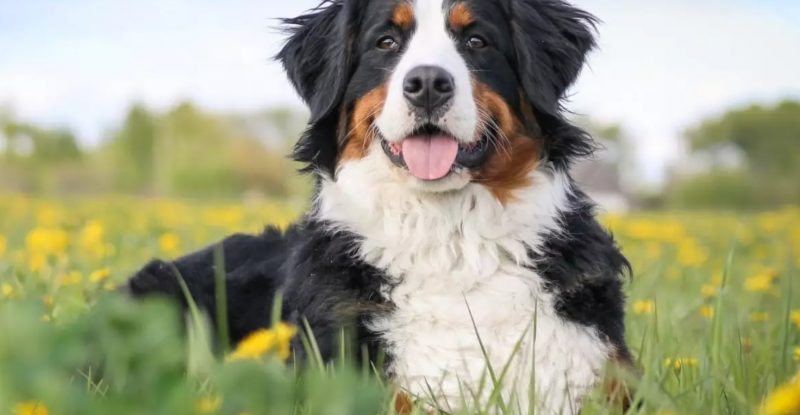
[(539, 49), (321, 282), (584, 267)]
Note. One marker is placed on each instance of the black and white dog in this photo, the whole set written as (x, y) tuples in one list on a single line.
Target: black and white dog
[(444, 214)]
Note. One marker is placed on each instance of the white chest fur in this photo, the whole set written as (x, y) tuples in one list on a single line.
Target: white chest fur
[(460, 266)]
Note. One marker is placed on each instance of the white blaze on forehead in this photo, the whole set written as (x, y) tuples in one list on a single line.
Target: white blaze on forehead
[(431, 44)]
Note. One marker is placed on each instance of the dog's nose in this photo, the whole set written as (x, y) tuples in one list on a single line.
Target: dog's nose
[(428, 87)]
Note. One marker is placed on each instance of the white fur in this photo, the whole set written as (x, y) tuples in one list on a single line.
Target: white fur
[(431, 44), (450, 250)]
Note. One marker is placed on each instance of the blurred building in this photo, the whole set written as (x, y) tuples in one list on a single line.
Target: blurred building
[(602, 178)]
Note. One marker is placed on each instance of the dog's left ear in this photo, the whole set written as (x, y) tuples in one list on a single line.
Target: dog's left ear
[(551, 40), (318, 59)]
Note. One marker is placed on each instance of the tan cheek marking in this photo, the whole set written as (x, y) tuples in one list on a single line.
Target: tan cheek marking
[(403, 16), (508, 168), (460, 17), (360, 136)]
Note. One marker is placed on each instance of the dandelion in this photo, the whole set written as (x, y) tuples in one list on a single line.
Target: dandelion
[(707, 311), (208, 405), (30, 408), (277, 340), (37, 262), (691, 254), (2, 245), (681, 362), (92, 240), (99, 275), (644, 307), (46, 241), (7, 290), (71, 278), (169, 243), (709, 291), (759, 317), (795, 317), (783, 401), (653, 250), (761, 282)]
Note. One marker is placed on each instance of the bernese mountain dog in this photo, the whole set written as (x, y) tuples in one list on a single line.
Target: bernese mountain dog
[(445, 231)]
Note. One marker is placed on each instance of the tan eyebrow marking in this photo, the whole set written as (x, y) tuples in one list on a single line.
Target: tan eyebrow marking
[(403, 15), (460, 16)]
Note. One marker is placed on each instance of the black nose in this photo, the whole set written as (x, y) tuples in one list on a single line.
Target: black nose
[(428, 87)]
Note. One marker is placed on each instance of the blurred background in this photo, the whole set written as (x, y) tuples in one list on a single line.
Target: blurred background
[(696, 102)]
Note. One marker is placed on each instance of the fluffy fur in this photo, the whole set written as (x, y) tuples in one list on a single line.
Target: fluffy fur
[(503, 254)]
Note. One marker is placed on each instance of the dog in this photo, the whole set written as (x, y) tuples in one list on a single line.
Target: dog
[(445, 231)]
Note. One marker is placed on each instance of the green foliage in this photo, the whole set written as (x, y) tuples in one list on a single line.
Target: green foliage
[(126, 358), (719, 188), (711, 333), (185, 151), (767, 139)]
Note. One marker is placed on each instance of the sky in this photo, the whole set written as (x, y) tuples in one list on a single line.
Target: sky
[(662, 66)]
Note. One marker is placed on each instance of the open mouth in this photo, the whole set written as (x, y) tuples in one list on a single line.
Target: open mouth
[(430, 153)]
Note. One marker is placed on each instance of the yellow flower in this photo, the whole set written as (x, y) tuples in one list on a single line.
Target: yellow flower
[(761, 282), (759, 317), (7, 290), (277, 340), (37, 262), (784, 400), (707, 311), (681, 362), (99, 275), (644, 307), (46, 241), (92, 239), (169, 243), (709, 290), (208, 405), (653, 250), (691, 254), (72, 278), (30, 408), (795, 317), (2, 245)]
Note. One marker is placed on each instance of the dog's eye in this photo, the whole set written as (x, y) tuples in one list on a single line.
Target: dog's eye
[(388, 43), (476, 42)]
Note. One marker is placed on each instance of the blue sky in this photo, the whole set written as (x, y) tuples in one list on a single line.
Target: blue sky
[(662, 65)]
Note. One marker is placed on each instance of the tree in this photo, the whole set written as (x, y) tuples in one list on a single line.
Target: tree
[(134, 153), (768, 138), (766, 141)]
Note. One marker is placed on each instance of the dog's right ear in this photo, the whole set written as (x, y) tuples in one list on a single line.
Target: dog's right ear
[(318, 59)]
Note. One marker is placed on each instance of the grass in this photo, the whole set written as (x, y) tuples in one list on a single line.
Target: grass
[(713, 316)]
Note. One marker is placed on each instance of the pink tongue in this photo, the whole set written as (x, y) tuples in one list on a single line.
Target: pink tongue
[(430, 157)]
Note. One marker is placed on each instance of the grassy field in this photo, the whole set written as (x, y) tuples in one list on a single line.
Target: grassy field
[(714, 316)]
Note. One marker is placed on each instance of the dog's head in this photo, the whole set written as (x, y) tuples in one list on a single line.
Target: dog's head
[(447, 92)]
